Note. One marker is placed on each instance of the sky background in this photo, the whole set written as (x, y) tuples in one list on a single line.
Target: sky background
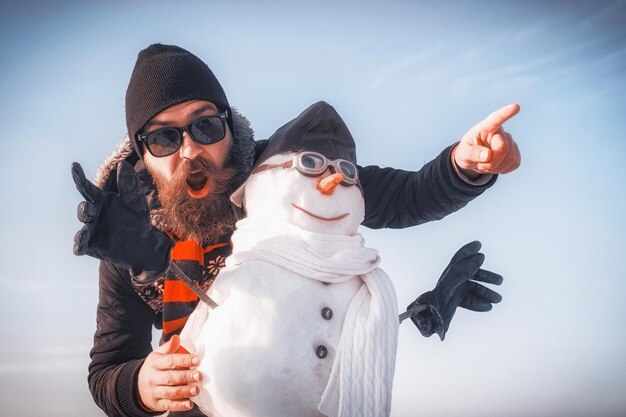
[(409, 78)]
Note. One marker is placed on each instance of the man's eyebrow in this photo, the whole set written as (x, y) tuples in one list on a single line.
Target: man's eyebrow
[(193, 115), (202, 109)]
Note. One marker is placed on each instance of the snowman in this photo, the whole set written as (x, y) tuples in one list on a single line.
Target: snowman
[(306, 323)]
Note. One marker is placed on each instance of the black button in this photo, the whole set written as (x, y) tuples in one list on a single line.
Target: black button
[(321, 351), (327, 313)]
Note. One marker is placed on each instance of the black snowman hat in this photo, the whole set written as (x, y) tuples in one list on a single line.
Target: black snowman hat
[(319, 128)]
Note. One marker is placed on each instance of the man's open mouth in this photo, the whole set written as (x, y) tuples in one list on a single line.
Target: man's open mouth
[(198, 184)]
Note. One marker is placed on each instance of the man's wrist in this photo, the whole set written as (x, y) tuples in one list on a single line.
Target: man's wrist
[(469, 176), (127, 390)]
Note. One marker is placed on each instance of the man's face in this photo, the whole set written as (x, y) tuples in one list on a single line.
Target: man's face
[(194, 183), (181, 115)]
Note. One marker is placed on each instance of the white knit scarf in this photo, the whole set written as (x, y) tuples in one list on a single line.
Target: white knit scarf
[(361, 376)]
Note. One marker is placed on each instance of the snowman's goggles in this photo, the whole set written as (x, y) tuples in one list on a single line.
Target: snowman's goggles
[(313, 164)]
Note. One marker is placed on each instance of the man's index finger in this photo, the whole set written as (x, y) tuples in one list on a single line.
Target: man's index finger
[(496, 119)]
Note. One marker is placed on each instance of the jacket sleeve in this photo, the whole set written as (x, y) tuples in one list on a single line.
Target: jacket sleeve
[(396, 199), (121, 343)]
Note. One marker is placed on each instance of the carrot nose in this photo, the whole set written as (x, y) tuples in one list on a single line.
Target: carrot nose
[(327, 184)]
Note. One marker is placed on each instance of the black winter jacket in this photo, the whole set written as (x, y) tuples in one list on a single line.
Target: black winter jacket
[(393, 199)]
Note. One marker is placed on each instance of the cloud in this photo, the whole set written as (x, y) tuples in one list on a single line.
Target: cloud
[(405, 64), (549, 51)]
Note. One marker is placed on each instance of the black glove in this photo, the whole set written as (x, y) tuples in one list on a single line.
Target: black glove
[(432, 311), (117, 226)]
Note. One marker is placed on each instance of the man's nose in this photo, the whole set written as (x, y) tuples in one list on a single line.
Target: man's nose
[(189, 149), (326, 185)]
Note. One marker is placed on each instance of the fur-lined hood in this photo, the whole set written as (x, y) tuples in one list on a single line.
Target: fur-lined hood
[(244, 149)]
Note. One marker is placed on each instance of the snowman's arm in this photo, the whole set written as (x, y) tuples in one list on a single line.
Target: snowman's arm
[(396, 198)]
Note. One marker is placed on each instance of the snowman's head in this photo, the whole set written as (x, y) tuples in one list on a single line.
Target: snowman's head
[(308, 190), (307, 175)]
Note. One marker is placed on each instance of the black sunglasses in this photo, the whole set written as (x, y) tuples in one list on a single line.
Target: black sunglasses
[(168, 140)]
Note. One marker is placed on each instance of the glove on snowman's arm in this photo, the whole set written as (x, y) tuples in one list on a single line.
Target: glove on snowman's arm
[(432, 311)]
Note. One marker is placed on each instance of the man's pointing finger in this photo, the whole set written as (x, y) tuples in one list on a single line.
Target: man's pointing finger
[(495, 120)]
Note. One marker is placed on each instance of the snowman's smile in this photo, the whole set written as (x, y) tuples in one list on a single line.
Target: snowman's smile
[(326, 219)]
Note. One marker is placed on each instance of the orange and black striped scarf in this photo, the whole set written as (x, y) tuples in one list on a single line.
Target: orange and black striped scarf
[(201, 264)]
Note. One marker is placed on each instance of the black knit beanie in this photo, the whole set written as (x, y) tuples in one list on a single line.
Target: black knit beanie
[(165, 75)]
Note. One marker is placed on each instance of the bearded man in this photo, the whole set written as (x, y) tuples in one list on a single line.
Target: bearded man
[(162, 200)]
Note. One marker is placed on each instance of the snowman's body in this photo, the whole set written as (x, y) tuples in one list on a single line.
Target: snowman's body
[(263, 348), (279, 343)]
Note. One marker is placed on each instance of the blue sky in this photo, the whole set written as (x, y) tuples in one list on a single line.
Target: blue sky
[(409, 78)]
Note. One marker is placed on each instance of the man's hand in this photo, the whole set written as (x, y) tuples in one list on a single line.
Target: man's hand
[(117, 226), (487, 148), (165, 381)]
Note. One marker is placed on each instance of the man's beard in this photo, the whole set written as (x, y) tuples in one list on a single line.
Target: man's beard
[(204, 220)]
